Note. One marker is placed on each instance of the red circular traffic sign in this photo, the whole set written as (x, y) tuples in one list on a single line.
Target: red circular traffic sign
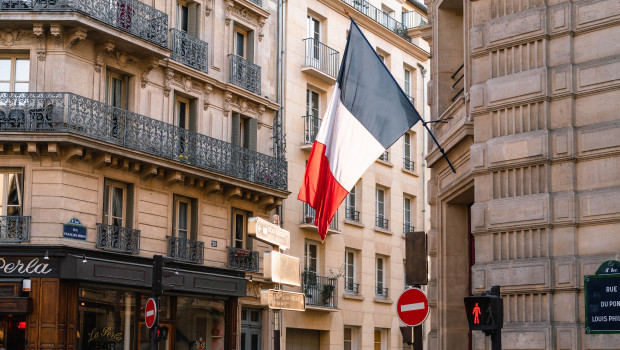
[(412, 307), (150, 313)]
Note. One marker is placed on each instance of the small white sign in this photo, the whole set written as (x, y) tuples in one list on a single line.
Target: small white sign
[(269, 233), (283, 300), (282, 268)]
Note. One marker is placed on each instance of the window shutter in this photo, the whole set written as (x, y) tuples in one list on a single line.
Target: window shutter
[(251, 134), (194, 220), (192, 19), (193, 114), (234, 135), (250, 47)]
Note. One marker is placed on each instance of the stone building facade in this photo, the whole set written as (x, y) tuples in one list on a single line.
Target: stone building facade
[(131, 129), (532, 88), (352, 281)]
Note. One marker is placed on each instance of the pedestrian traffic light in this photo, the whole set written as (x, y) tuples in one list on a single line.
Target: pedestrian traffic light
[(161, 333), (485, 313)]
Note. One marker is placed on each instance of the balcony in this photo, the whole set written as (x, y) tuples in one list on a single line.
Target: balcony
[(351, 288), (413, 19), (320, 290), (381, 222), (245, 74), (119, 239), (243, 259), (381, 293), (257, 2), (189, 50), (385, 156), (407, 228), (379, 16), (408, 164), (131, 16), (351, 214), (183, 249), (311, 128), (59, 112), (308, 219), (14, 229), (321, 61)]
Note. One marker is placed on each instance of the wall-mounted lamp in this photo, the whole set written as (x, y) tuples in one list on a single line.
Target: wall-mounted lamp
[(84, 258), (26, 285), (176, 272), (47, 255), (250, 278)]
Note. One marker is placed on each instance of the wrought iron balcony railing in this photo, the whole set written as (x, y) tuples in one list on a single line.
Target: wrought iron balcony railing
[(189, 50), (385, 156), (407, 227), (381, 222), (381, 292), (413, 19), (351, 214), (322, 57), (379, 16), (311, 128), (116, 238), (408, 164), (183, 249), (61, 112), (257, 2), (351, 288), (245, 74), (14, 229), (320, 290), (242, 259), (309, 214), (132, 16)]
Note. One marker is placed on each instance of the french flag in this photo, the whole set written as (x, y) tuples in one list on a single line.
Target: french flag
[(367, 113)]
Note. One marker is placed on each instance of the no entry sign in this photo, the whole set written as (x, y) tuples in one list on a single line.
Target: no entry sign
[(412, 307), (150, 313)]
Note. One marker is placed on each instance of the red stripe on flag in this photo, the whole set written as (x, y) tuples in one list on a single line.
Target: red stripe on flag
[(320, 189)]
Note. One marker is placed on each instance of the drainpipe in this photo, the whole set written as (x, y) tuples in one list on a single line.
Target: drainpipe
[(423, 71)]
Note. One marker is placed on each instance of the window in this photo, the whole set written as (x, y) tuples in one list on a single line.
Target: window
[(313, 120), (11, 187), (404, 274), (187, 18), (380, 277), (14, 74), (185, 217), (350, 279), (250, 328), (184, 118), (381, 221), (240, 42), (239, 229), (408, 154), (407, 227), (182, 17), (380, 341), (314, 34), (116, 91), (351, 335), (244, 131), (115, 203), (198, 320), (351, 206), (311, 257), (407, 81)]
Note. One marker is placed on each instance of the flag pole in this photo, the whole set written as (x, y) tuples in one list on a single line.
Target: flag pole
[(438, 146)]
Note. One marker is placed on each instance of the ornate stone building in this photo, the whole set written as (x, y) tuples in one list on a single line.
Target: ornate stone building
[(131, 129), (532, 90)]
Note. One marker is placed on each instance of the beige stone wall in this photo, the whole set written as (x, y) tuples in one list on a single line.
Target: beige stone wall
[(535, 150)]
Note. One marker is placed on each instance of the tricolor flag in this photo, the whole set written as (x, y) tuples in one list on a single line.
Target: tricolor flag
[(367, 113)]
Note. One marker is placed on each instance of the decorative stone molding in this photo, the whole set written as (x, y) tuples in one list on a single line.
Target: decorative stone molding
[(152, 64), (106, 48), (229, 7), (10, 37), (76, 35), (39, 32), (187, 82), (207, 96), (208, 7), (168, 81), (261, 24), (227, 102), (261, 115), (57, 31)]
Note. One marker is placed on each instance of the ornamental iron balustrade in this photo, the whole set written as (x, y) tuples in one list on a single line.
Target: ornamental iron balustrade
[(245, 74), (351, 288), (131, 16), (320, 290), (413, 19), (408, 164), (322, 57), (119, 239), (243, 259), (309, 214), (381, 222), (257, 2), (381, 292), (189, 50), (14, 229), (67, 112), (351, 214), (385, 156), (184, 249), (379, 16), (311, 128), (407, 227)]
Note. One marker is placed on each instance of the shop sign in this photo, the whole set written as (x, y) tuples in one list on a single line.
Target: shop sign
[(269, 233), (74, 229), (602, 294), (281, 268), (28, 267), (104, 334), (279, 299)]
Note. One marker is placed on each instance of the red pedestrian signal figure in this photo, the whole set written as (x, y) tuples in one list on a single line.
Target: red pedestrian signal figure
[(476, 313)]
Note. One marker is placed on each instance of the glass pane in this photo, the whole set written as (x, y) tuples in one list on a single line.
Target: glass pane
[(255, 316), (117, 202), (244, 315), (14, 189), (347, 334), (106, 194), (243, 336), (255, 343), (199, 322), (240, 45), (184, 17), (183, 213), (106, 319), (5, 87), (239, 230), (182, 115), (5, 69), (22, 69), (117, 92), (22, 87)]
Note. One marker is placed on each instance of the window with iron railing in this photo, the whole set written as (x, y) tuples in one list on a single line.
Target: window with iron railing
[(385, 156), (309, 213), (321, 57)]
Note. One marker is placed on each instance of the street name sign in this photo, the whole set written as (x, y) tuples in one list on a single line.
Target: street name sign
[(150, 313), (269, 233), (283, 300), (281, 268), (602, 294), (412, 307)]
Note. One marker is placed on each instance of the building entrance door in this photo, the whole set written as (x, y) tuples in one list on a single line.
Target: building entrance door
[(302, 339), (13, 332), (145, 341)]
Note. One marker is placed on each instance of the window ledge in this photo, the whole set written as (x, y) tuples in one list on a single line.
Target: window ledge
[(383, 230), (386, 163), (352, 296), (383, 300), (354, 223), (411, 172)]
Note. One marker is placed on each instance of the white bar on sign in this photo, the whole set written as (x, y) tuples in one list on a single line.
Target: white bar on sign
[(150, 312), (412, 307)]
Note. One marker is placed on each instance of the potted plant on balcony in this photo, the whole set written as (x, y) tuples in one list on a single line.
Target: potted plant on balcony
[(308, 219), (326, 293)]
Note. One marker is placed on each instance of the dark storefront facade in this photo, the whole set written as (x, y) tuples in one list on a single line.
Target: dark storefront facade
[(82, 299)]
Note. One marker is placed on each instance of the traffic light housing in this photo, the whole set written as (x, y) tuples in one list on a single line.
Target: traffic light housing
[(161, 333), (485, 313)]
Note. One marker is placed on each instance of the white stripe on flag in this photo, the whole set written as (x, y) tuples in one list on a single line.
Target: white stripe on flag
[(349, 146), (412, 307), (150, 312)]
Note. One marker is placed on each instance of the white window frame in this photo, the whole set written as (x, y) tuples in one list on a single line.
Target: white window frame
[(407, 81), (382, 344), (307, 258), (4, 190), (351, 203), (380, 276), (108, 217), (407, 211), (244, 34), (13, 71), (188, 231), (354, 340), (244, 241), (349, 260), (380, 211)]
